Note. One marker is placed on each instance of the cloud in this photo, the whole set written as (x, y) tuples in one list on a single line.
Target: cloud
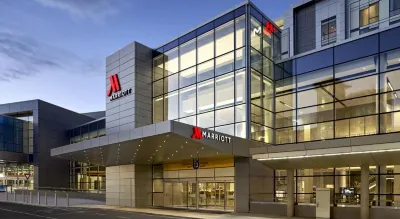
[(96, 10), (22, 56)]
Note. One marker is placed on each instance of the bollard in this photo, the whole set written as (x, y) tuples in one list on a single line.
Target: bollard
[(23, 196), (45, 198), (30, 197), (38, 198), (55, 198), (15, 195), (67, 199), (6, 195)]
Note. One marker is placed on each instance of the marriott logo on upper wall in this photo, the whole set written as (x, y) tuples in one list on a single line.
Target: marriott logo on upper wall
[(269, 28), (115, 89)]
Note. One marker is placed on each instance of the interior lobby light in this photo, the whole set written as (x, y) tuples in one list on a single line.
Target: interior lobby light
[(1, 175)]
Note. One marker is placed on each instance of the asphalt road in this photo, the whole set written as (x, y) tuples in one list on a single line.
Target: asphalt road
[(19, 211)]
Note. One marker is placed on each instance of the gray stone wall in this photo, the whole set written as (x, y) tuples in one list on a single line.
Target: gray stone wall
[(133, 64)]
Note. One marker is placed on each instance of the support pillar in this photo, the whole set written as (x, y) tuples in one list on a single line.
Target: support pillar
[(290, 192), (364, 191), (382, 185)]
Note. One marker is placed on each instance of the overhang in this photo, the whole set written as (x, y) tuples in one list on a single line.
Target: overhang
[(12, 157), (163, 142)]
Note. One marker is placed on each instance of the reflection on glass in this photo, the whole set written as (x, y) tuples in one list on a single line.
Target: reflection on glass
[(390, 60), (171, 83), (158, 106), (187, 53), (205, 47), (224, 64), (315, 79), (240, 58), (158, 67), (268, 94), (224, 90), (315, 96), (171, 61), (285, 102), (390, 102), (356, 88), (191, 120), (390, 122), (261, 133), (240, 114), (187, 77), (224, 116), (267, 68), (158, 88), (356, 107), (240, 86), (285, 119), (240, 31), (286, 135), (358, 68), (356, 127), (256, 31), (227, 129), (224, 38), (187, 101), (256, 60), (390, 81), (240, 130), (205, 96), (205, 120), (315, 114), (255, 88), (171, 106), (320, 131)]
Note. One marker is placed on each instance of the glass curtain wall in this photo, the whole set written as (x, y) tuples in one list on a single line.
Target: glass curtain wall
[(88, 131), (12, 175), (200, 79), (346, 93), (264, 49), (86, 177)]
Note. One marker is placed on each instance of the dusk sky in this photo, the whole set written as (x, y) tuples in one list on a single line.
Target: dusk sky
[(55, 50)]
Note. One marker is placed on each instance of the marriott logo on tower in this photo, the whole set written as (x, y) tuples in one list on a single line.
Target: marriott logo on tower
[(115, 89)]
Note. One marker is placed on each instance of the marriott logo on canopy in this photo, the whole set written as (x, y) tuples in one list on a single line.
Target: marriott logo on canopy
[(115, 89), (199, 134)]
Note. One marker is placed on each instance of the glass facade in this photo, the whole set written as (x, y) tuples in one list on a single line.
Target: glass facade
[(15, 135), (86, 177), (203, 78), (350, 93), (88, 131), (12, 175)]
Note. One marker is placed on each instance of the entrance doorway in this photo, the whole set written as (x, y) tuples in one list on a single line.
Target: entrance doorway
[(207, 195)]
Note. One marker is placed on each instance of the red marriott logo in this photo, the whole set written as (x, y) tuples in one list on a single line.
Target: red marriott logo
[(269, 28), (197, 133), (115, 89), (114, 85)]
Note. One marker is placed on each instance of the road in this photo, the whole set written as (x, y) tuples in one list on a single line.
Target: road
[(19, 211)]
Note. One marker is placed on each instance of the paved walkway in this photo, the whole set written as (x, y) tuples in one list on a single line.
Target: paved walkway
[(185, 213)]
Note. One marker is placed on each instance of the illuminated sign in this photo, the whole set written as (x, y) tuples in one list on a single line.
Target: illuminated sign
[(269, 28), (199, 134), (115, 89)]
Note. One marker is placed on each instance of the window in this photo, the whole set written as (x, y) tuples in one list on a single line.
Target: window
[(240, 31), (171, 83), (240, 85), (205, 96), (394, 7), (205, 70), (187, 101), (206, 120), (369, 15), (224, 39), (158, 67), (205, 47), (224, 64), (328, 31), (187, 54), (256, 31), (187, 77), (171, 103), (224, 90), (158, 109), (224, 116), (171, 61)]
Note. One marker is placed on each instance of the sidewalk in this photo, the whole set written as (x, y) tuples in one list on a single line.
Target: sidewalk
[(184, 213)]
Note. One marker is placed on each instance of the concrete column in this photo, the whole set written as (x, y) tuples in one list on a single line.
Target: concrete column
[(242, 185), (365, 191), (290, 192)]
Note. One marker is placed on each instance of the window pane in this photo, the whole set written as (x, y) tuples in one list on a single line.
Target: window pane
[(205, 70), (325, 31), (240, 58), (315, 96), (285, 85), (240, 86), (187, 77), (187, 54), (240, 130), (171, 106), (261, 133), (390, 81), (240, 114), (390, 122), (256, 31), (189, 120), (205, 120), (171, 83), (171, 61), (356, 107), (390, 60), (358, 68), (240, 31), (187, 101), (267, 44), (373, 13), (285, 102), (286, 135), (158, 88), (224, 38), (357, 88), (315, 114), (224, 90), (267, 68), (205, 95), (256, 114), (158, 106), (228, 129), (390, 102), (256, 60), (364, 18), (255, 88), (224, 116), (205, 47), (158, 67), (360, 126), (268, 94), (315, 79), (224, 64), (320, 131), (285, 119), (314, 61)]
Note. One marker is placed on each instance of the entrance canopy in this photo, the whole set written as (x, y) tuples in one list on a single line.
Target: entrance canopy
[(163, 142)]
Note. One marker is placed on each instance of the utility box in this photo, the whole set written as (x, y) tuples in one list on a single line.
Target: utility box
[(323, 203)]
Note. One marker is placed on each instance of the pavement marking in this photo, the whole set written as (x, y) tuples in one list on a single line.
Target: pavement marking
[(122, 217), (20, 212), (100, 214)]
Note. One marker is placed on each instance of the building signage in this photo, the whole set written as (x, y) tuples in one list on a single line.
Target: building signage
[(200, 134), (269, 28), (115, 89), (27, 176), (196, 163)]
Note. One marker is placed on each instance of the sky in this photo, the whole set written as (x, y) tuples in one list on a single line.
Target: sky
[(55, 50)]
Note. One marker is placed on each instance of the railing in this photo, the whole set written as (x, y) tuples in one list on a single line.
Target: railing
[(72, 190)]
